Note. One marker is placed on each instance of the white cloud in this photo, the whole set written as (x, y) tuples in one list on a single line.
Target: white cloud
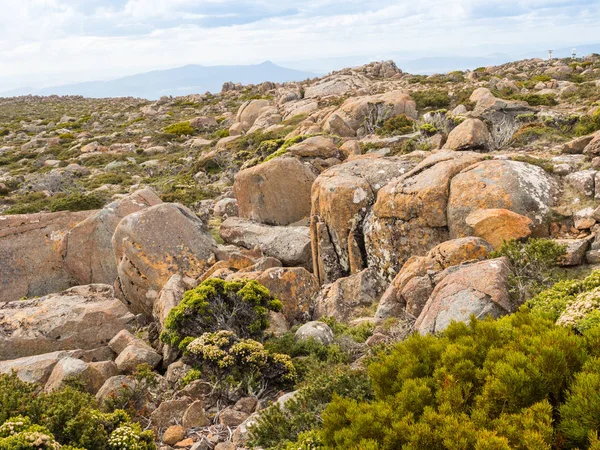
[(46, 42)]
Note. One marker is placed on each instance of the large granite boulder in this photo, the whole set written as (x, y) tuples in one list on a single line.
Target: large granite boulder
[(83, 317), (31, 256), (341, 198), (361, 115), (154, 244), (409, 217), (276, 192), (501, 184), (34, 369), (290, 245), (88, 251), (472, 134), (411, 288), (479, 289)]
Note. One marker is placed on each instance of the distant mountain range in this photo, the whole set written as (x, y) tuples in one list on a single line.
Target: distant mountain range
[(192, 79)]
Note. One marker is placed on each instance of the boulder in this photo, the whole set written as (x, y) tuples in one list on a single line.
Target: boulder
[(359, 116), (290, 245), (87, 248), (276, 192), (34, 369), (134, 355), (124, 339), (226, 207), (170, 412), (479, 289), (154, 244), (315, 147), (39, 270), (577, 145), (114, 387), (576, 250), (583, 182), (319, 331), (195, 416), (341, 199), (499, 225), (295, 287), (247, 114), (409, 217), (83, 317), (173, 434), (350, 297), (500, 184), (69, 369), (472, 134), (411, 288), (170, 296), (593, 147)]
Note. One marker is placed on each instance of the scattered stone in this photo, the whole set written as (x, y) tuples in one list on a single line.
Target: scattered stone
[(319, 331), (173, 435)]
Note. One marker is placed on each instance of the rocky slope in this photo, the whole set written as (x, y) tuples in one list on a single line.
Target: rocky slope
[(367, 195)]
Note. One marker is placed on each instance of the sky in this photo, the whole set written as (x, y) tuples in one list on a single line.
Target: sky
[(53, 42)]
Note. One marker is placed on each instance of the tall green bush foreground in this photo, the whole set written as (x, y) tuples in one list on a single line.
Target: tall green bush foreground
[(520, 382)]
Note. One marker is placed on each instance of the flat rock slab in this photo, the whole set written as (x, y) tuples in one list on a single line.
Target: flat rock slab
[(84, 317)]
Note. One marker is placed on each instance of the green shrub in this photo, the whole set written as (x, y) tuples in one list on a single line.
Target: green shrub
[(533, 265), (180, 129), (238, 306), (536, 99), (220, 134), (530, 84), (397, 125), (428, 129), (588, 124), (66, 417), (483, 385), (77, 202), (278, 427), (431, 99), (228, 360)]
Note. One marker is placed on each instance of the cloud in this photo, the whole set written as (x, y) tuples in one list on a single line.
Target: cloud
[(43, 42)]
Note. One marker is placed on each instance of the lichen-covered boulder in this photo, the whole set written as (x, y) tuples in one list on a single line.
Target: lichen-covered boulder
[(501, 184), (276, 192), (295, 287), (290, 245), (479, 289), (350, 297), (341, 198), (31, 253), (411, 288), (154, 244), (316, 330), (409, 217), (34, 369), (88, 251), (361, 115), (472, 134), (83, 317), (499, 225)]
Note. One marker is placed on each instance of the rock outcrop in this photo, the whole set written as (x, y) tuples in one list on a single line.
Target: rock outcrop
[(31, 254), (152, 245), (83, 317)]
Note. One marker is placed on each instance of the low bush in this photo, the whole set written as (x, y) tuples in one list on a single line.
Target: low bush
[(180, 129), (431, 99), (533, 265), (536, 99), (397, 125), (588, 124), (77, 202), (520, 382), (242, 364), (67, 419), (238, 306)]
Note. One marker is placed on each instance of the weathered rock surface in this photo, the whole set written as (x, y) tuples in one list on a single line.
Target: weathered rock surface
[(516, 186), (88, 251), (350, 297), (295, 287), (411, 288), (154, 244), (39, 269), (82, 317), (472, 134), (499, 225), (359, 115), (319, 331), (276, 192), (479, 289), (34, 369), (290, 245), (409, 217), (341, 198)]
